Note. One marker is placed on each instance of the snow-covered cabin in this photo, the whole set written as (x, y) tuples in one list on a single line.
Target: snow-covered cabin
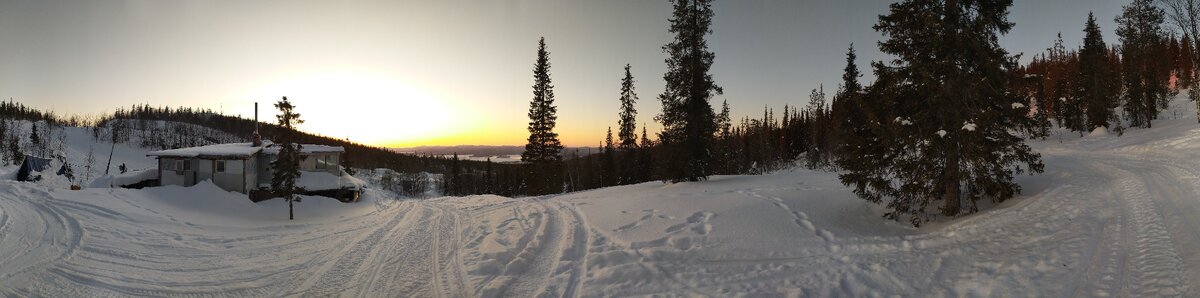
[(241, 167)]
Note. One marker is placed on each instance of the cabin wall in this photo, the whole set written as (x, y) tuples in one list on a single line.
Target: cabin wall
[(264, 170), (250, 179), (231, 177), (169, 177), (308, 162), (203, 169)]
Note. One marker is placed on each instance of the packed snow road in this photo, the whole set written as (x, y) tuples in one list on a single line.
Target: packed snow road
[(1112, 216), (124, 242)]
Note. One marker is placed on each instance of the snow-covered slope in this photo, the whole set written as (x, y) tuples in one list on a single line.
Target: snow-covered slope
[(1112, 216), (75, 144)]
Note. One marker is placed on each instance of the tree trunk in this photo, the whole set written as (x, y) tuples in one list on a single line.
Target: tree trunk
[(950, 193), (291, 215), (1151, 107)]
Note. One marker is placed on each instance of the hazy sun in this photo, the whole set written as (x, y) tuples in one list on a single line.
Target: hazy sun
[(369, 109)]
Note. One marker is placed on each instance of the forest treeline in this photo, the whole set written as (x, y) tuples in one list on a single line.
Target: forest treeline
[(944, 122)]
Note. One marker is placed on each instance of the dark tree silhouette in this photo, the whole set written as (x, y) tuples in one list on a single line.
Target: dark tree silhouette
[(628, 127), (1143, 61), (688, 119), (543, 150), (1096, 83), (955, 131), (286, 167)]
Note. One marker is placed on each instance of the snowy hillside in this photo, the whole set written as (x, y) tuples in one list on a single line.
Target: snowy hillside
[(1112, 216), (75, 144)]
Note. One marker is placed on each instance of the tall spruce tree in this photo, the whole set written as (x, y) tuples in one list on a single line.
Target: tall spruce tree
[(35, 142), (850, 75), (956, 135), (842, 107), (688, 120), (1187, 65), (14, 148), (724, 124), (1071, 110), (817, 149), (1096, 86), (645, 167), (628, 127), (454, 185), (543, 152), (286, 167), (608, 167), (1142, 58), (1173, 53), (628, 122), (4, 154)]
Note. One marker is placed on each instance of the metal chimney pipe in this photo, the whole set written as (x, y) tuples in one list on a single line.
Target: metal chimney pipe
[(256, 138)]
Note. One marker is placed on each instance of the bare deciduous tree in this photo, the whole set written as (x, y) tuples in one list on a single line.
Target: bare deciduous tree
[(1185, 16)]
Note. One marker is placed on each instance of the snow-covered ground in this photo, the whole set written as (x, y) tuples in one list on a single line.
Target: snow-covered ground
[(1112, 216)]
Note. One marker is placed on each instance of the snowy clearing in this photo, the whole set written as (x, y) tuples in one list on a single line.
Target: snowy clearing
[(1112, 216)]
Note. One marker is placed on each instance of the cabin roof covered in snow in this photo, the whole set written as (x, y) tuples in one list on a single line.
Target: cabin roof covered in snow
[(231, 150), (273, 149), (240, 150)]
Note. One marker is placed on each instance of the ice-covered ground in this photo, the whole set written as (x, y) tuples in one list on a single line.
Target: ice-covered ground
[(1112, 216)]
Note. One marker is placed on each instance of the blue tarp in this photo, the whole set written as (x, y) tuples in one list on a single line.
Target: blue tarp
[(30, 166)]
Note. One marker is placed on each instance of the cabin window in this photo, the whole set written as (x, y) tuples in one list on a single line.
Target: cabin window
[(177, 165), (333, 161), (220, 166), (323, 162)]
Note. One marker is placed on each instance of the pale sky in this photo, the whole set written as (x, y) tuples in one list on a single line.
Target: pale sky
[(444, 72)]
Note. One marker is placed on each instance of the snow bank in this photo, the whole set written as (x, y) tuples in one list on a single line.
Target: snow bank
[(207, 203), (128, 178), (327, 181), (9, 172)]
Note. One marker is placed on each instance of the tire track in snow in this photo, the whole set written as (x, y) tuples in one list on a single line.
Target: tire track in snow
[(582, 243), (1157, 268), (498, 282), (45, 234), (534, 273), (373, 269), (451, 275), (404, 268), (1104, 274), (332, 276)]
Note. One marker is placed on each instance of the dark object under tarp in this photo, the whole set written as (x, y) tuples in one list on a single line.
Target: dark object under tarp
[(30, 167), (66, 171)]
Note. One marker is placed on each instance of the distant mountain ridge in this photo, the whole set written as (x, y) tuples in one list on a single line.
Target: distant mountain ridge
[(478, 150)]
